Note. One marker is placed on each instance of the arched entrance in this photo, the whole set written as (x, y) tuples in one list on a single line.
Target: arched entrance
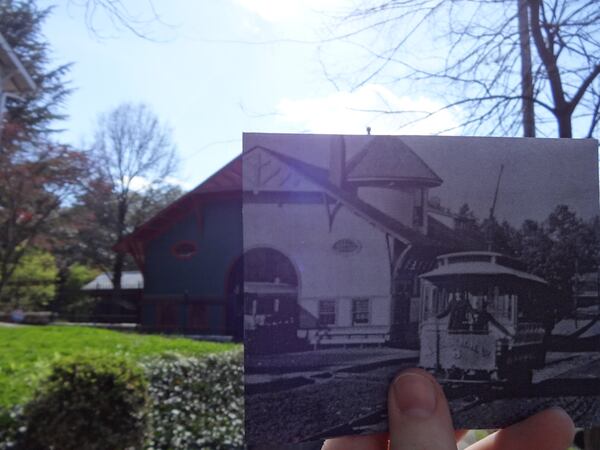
[(264, 286)]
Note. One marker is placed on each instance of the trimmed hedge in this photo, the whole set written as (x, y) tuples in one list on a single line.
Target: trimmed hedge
[(102, 402), (197, 403), (12, 427), (92, 402)]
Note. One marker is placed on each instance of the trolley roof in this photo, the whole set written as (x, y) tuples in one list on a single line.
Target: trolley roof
[(479, 263)]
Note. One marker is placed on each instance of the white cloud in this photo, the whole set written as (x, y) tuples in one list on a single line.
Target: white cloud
[(353, 112), (185, 185), (139, 184)]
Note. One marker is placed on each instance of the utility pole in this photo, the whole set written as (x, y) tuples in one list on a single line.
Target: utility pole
[(492, 218), (526, 72)]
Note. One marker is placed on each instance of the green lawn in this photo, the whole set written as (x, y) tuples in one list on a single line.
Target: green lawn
[(26, 352)]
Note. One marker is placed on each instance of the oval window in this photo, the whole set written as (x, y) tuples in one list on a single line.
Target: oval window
[(184, 249), (346, 246)]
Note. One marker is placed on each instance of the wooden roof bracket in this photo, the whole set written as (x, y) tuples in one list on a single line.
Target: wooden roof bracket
[(331, 209)]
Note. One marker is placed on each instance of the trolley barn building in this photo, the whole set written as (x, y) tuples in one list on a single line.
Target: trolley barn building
[(333, 250)]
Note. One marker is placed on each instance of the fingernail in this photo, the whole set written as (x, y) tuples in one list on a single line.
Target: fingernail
[(415, 395)]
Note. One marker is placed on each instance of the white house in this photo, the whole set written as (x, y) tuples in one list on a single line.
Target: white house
[(337, 249)]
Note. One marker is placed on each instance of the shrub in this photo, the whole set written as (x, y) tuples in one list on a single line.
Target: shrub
[(197, 403), (12, 426), (92, 402)]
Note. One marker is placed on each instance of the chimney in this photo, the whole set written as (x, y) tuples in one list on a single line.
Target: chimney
[(337, 161)]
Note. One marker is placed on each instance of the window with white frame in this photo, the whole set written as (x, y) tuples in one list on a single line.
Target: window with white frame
[(360, 311), (327, 312)]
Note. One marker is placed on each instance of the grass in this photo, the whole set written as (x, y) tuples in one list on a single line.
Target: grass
[(27, 352)]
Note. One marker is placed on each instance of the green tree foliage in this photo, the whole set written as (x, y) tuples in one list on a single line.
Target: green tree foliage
[(32, 285), (38, 175), (70, 298), (36, 181), (79, 275), (96, 213)]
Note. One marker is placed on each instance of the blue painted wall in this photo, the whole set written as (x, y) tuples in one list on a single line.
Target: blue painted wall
[(219, 243), (172, 285)]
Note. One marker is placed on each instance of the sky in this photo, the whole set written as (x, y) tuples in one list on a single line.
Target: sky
[(215, 69)]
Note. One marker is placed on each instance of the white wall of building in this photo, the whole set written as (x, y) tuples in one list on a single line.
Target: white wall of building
[(301, 232), (395, 202)]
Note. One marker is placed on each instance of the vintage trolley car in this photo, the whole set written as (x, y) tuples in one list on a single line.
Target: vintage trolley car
[(481, 318)]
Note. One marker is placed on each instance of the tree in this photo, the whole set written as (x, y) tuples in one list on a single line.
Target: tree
[(38, 175), (558, 249), (136, 18), (131, 147), (32, 285), (70, 299), (474, 47), (97, 219), (36, 181), (574, 248), (26, 119)]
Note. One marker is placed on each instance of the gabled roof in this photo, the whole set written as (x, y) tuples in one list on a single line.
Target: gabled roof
[(351, 201), (225, 181), (389, 159), (228, 180)]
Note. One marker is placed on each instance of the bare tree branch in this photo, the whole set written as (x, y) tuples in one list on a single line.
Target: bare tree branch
[(467, 53), (131, 146)]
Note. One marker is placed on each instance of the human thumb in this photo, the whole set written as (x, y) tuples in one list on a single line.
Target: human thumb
[(418, 413)]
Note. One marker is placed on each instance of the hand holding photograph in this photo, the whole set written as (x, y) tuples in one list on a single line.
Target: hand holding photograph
[(473, 258)]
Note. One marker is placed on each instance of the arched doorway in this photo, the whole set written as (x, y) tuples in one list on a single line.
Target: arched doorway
[(263, 290)]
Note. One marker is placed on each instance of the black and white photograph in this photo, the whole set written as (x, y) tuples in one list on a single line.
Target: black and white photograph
[(475, 259)]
